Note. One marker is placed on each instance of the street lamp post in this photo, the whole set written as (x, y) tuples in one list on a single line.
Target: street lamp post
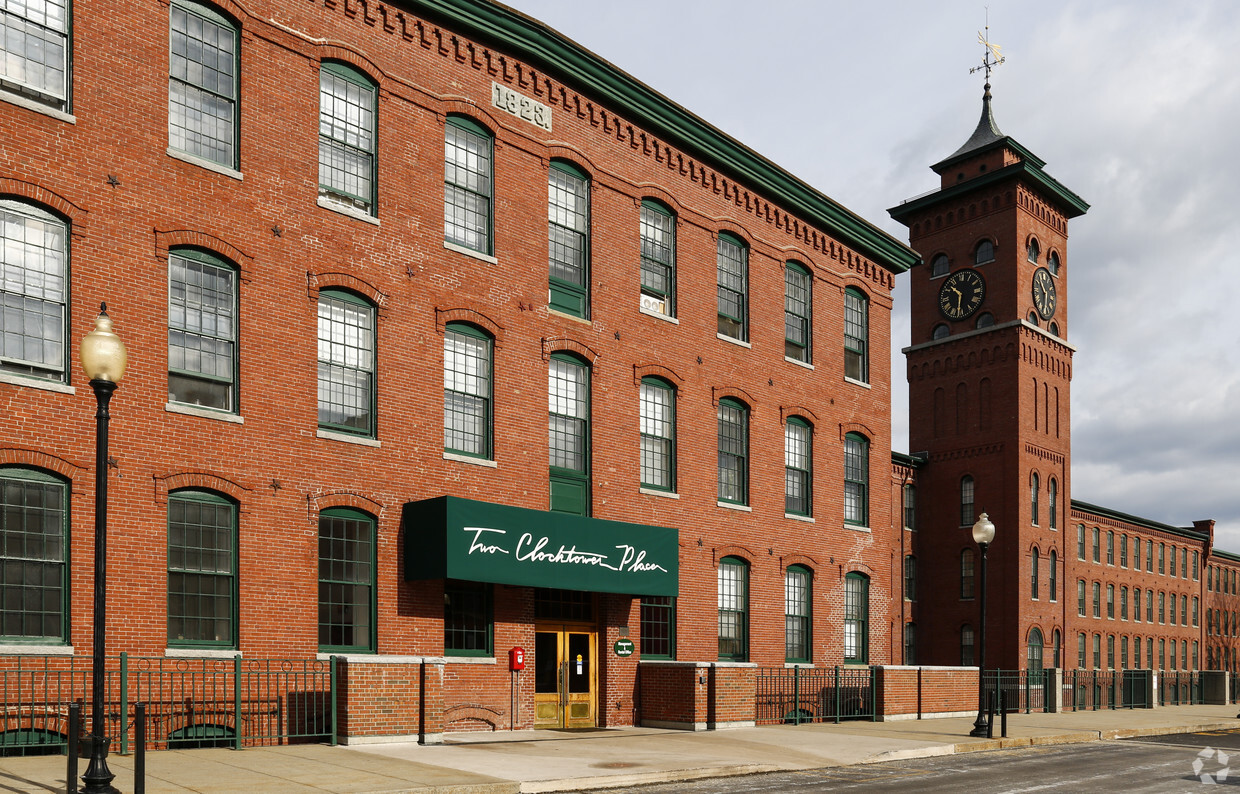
[(103, 360), (983, 533)]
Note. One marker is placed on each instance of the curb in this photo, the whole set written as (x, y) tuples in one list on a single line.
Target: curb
[(645, 778)]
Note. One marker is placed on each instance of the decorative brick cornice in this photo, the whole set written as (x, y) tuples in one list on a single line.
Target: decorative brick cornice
[(1041, 453), (176, 238), (37, 459), (787, 560), (317, 282), (786, 411), (734, 550), (736, 393), (656, 371), (16, 188), (201, 480), (471, 316), (566, 344), (856, 427), (322, 500)]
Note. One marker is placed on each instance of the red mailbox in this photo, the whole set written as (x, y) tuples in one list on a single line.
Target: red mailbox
[(516, 658)]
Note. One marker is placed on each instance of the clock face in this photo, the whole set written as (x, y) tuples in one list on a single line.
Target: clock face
[(1044, 293), (961, 294)]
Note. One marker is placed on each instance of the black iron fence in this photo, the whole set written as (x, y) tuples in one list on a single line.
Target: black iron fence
[(1023, 690), (1180, 688), (190, 702), (814, 694)]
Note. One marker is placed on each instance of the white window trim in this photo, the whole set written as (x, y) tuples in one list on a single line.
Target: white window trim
[(203, 413), (460, 249), (734, 340), (200, 653), (799, 363), (30, 104), (734, 506), (36, 383), (203, 162), (347, 438), (860, 383), (471, 460), (657, 492), (470, 660), (799, 517), (658, 315), (343, 209)]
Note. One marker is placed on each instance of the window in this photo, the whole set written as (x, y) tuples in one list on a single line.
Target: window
[(985, 252), (1136, 553), (1110, 547), (910, 643), (568, 393), (1110, 602), (467, 379), (984, 320), (910, 577), (34, 526), (1080, 541), (657, 405), (939, 266), (966, 501), (966, 646), (797, 461), (797, 599), (733, 452), (966, 573), (658, 233), (1196, 564), (1136, 604), (1162, 608), (568, 238), (1053, 581), (798, 312), (1097, 545), (1172, 644), (34, 281), (1097, 650), (1149, 556), (1097, 600), (1080, 650), (1184, 563), (202, 564), (1033, 498), (658, 627), (467, 187), (346, 580), (1196, 605), (1162, 557), (732, 264), (1033, 575), (36, 48), (347, 134), (467, 618), (346, 363), (856, 618), (1111, 651), (856, 479), (1123, 603), (1056, 647), (1032, 251), (1033, 655), (1183, 610), (202, 84), (856, 335), (910, 506), (202, 331), (941, 331), (1052, 506), (1123, 551), (1052, 263), (1149, 606), (733, 610), (1080, 597)]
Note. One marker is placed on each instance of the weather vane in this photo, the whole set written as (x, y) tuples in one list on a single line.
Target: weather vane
[(991, 50)]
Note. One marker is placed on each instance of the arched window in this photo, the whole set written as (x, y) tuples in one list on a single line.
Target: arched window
[(798, 456), (1110, 547), (568, 400), (966, 573), (467, 392), (1056, 643), (1053, 328), (1034, 654), (1052, 505), (1032, 252), (202, 330), (1123, 551), (733, 419), (910, 577), (1033, 574), (1097, 538), (568, 238), (657, 408), (348, 130), (856, 618), (856, 335), (941, 331), (984, 320), (1080, 597), (1033, 319), (468, 189), (966, 646), (985, 252), (733, 610), (910, 643), (202, 566), (798, 312), (34, 527), (1052, 582), (856, 479), (346, 580), (939, 266), (732, 264), (1081, 658), (798, 598), (33, 290), (658, 237), (1052, 263), (346, 363), (966, 501), (1033, 498), (204, 64)]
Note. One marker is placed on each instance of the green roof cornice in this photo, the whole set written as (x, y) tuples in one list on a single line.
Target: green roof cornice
[(574, 65), (1104, 512), (1226, 555), (1068, 202)]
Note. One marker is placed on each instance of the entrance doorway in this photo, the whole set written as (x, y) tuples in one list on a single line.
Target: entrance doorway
[(565, 677)]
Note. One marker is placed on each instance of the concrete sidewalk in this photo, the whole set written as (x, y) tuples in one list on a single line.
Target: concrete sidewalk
[(538, 761)]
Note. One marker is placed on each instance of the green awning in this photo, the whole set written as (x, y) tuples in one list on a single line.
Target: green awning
[(452, 538)]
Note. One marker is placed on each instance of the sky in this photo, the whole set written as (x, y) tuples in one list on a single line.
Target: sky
[(1134, 106)]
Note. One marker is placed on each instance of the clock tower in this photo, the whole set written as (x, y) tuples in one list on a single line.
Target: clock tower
[(989, 368)]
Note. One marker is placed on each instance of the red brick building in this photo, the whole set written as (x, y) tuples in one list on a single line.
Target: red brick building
[(422, 367)]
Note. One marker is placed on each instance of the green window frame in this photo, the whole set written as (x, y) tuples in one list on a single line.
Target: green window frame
[(657, 415), (1033, 654), (1097, 594), (733, 422), (1149, 556), (658, 258), (467, 391), (856, 479), (910, 577), (1080, 541), (1081, 650), (733, 579), (910, 507), (1052, 503), (204, 61), (1096, 537), (856, 335), (798, 467), (910, 643), (1123, 603), (984, 252), (798, 616), (1110, 547), (568, 398), (202, 330), (732, 266), (34, 544), (468, 184), (347, 608), (798, 312), (1034, 489), (966, 645), (1033, 574), (202, 570), (1080, 598), (967, 516), (34, 291), (1123, 551), (658, 627), (468, 622), (966, 574), (856, 618), (346, 363), (568, 238), (348, 135), (1052, 582), (37, 48)]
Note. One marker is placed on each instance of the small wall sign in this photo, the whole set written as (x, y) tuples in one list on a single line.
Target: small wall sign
[(623, 647)]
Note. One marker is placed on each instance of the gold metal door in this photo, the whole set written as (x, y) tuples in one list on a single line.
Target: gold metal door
[(565, 678)]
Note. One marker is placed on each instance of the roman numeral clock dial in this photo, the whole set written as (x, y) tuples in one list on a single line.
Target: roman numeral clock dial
[(961, 294), (1044, 293)]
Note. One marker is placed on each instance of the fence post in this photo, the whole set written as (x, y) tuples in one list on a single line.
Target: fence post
[(874, 693), (139, 763), (334, 695), (796, 695), (124, 734), (75, 730), (838, 699), (237, 744)]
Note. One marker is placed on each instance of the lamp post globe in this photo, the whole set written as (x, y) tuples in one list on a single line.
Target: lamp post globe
[(103, 359), (983, 534)]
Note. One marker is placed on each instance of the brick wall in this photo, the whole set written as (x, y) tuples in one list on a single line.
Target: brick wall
[(906, 692)]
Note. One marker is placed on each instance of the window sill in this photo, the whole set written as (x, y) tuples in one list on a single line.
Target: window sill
[(799, 665), (37, 383), (799, 517), (856, 382), (36, 650), (733, 340), (343, 209), (30, 104), (363, 657), (734, 506), (459, 458), (857, 528), (203, 162), (567, 316), (331, 435), (460, 249), (199, 653), (657, 492), (470, 660), (203, 413), (799, 363), (667, 318)]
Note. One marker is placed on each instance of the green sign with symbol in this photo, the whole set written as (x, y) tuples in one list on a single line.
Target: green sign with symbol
[(623, 647)]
